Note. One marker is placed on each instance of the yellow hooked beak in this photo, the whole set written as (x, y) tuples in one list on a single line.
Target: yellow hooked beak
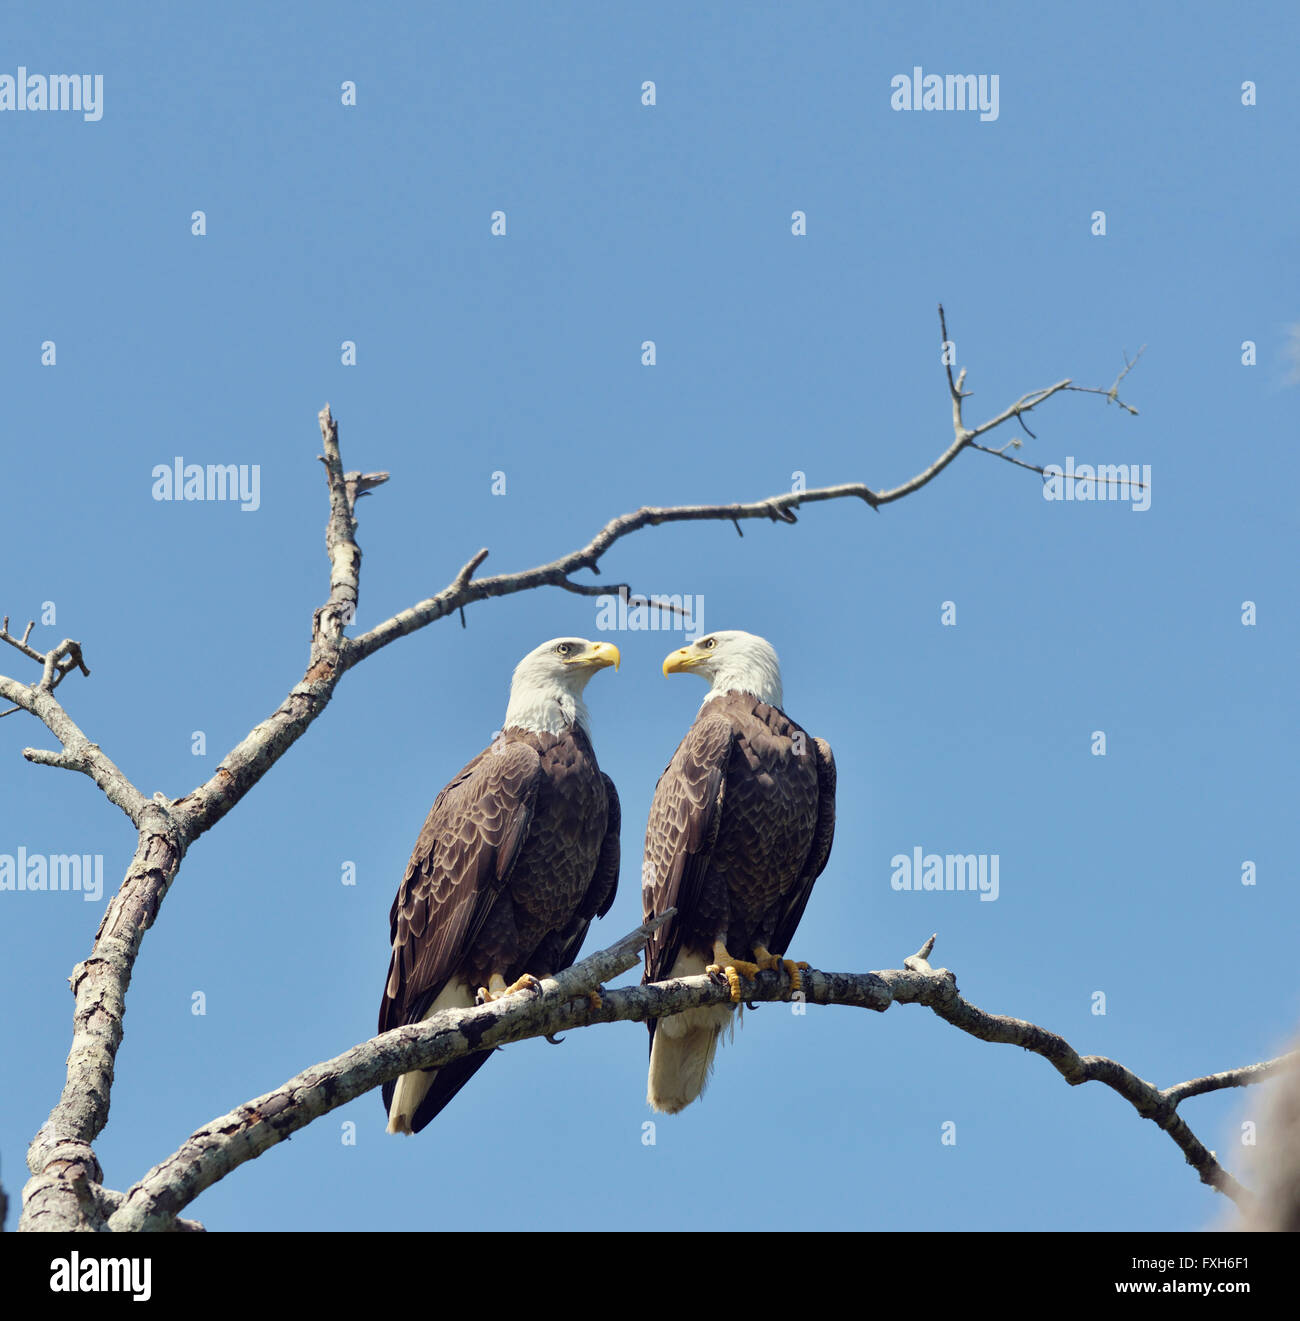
[(598, 657), (683, 659)]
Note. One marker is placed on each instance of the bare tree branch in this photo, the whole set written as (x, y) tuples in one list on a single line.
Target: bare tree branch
[(777, 508), (1244, 1077), (56, 664), (1274, 1159), (79, 753), (564, 1003), (1112, 394), (60, 1157)]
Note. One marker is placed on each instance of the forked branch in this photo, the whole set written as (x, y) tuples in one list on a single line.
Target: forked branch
[(564, 1004)]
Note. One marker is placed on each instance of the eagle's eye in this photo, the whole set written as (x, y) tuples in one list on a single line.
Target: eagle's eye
[(563, 649), (709, 643)]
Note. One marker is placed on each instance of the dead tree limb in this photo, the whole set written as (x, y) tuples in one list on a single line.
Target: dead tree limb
[(563, 1003)]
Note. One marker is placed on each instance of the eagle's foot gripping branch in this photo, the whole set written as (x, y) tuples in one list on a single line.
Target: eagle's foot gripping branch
[(496, 989), (770, 962), (732, 968)]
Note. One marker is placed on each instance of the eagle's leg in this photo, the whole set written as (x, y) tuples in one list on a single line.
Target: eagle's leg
[(770, 962), (731, 968), (496, 989)]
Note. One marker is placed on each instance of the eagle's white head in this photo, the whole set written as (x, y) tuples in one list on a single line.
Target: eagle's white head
[(732, 662), (546, 691)]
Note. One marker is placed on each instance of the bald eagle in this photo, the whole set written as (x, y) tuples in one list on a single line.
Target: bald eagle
[(740, 828), (518, 854)]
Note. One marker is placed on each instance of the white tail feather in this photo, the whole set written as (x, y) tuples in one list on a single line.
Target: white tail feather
[(680, 1067), (681, 1055), (412, 1088)]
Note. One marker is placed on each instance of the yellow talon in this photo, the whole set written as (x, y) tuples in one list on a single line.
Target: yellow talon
[(770, 962), (732, 968), (496, 989), (732, 976), (796, 981)]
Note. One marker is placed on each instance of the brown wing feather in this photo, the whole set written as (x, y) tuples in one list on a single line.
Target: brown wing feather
[(461, 862), (604, 884), (604, 881), (680, 835), (520, 852), (818, 854)]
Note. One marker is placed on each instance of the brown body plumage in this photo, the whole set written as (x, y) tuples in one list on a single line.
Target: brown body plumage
[(740, 827), (733, 837), (519, 853)]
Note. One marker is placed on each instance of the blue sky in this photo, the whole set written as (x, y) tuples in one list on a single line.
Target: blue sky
[(776, 354)]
